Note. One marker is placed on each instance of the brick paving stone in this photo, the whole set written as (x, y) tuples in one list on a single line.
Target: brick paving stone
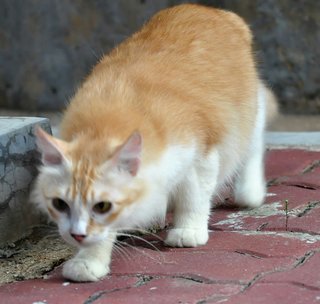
[(296, 195), (210, 265), (306, 274), (270, 216), (309, 180), (298, 221), (170, 290), (275, 293), (264, 244), (228, 255), (288, 162), (56, 291), (260, 245)]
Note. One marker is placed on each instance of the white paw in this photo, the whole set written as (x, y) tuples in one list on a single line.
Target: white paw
[(187, 237), (82, 270)]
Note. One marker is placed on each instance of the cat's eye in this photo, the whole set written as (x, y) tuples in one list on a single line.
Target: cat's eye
[(102, 207), (60, 205)]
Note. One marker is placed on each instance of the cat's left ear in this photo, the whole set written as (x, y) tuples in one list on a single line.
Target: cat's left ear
[(52, 149), (128, 156)]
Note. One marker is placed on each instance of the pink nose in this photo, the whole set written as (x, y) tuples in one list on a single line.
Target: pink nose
[(78, 237)]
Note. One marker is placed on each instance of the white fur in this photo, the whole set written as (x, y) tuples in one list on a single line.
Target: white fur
[(183, 175), (160, 179), (192, 203)]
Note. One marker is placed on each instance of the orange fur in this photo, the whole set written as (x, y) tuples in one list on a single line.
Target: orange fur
[(172, 82), (165, 120)]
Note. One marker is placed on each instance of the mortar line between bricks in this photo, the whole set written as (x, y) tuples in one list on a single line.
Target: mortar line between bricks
[(311, 167), (203, 280), (295, 283), (305, 258), (310, 206), (215, 299), (302, 185), (145, 279), (302, 285), (302, 236), (221, 298), (142, 280), (97, 295), (280, 182)]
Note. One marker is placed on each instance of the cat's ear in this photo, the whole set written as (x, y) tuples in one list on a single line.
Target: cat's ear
[(128, 156), (52, 149)]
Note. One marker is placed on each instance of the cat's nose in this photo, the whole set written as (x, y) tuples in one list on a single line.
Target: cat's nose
[(78, 237)]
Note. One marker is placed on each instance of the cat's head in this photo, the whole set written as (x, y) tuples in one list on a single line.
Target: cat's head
[(87, 197)]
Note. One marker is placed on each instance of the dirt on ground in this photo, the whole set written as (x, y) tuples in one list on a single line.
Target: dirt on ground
[(34, 256)]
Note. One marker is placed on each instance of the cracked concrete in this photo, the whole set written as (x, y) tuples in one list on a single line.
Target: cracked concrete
[(18, 161)]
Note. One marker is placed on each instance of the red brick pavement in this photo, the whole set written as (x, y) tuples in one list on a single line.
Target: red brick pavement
[(267, 255)]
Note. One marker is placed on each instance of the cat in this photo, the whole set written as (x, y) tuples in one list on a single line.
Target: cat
[(168, 117)]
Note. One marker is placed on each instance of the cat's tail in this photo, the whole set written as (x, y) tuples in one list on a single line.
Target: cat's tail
[(272, 108)]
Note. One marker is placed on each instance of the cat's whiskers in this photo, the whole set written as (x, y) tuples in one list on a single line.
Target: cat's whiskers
[(141, 230), (132, 236), (139, 250), (121, 250)]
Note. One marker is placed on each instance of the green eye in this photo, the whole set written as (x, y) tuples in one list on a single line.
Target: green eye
[(60, 205), (102, 207)]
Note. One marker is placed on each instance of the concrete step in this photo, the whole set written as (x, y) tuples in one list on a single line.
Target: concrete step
[(293, 140), (18, 161)]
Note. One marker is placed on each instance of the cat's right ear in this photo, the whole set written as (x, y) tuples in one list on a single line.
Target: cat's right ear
[(52, 149), (127, 158)]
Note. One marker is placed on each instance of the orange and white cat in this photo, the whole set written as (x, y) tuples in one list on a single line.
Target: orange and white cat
[(170, 115)]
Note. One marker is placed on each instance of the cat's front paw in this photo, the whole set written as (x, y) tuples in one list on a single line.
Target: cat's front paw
[(82, 270), (187, 237)]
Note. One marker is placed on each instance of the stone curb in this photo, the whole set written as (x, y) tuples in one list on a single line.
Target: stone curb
[(18, 167), (293, 140)]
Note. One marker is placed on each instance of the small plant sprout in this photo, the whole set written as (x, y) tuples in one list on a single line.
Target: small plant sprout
[(286, 203)]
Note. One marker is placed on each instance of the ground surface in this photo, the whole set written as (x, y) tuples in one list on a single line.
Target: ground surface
[(34, 256), (267, 255)]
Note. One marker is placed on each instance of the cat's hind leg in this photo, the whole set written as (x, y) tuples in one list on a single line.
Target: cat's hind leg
[(250, 185), (192, 202)]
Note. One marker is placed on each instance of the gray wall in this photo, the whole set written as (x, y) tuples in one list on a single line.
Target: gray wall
[(48, 46)]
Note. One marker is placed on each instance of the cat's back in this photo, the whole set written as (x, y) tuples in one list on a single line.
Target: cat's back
[(192, 50), (187, 61), (194, 20), (203, 57)]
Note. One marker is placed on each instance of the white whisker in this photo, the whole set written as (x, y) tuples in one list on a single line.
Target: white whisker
[(143, 231), (118, 248), (142, 251), (141, 239)]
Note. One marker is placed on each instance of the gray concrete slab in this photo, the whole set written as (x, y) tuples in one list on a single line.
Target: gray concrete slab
[(293, 140), (18, 167)]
